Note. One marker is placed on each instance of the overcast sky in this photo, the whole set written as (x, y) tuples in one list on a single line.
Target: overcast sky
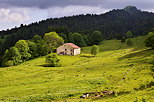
[(16, 12)]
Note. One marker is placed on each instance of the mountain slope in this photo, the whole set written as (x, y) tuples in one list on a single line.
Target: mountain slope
[(113, 24)]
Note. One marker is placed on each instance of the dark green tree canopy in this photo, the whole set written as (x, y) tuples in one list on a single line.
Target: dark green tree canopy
[(11, 57), (129, 35), (96, 37), (37, 39), (149, 42), (77, 39), (33, 50)]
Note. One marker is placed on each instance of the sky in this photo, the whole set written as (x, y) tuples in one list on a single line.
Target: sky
[(16, 12)]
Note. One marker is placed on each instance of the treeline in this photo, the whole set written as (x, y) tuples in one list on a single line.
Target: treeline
[(113, 24), (24, 50)]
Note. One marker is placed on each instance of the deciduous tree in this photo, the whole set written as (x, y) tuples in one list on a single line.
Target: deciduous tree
[(23, 48), (53, 60), (95, 50), (96, 37), (78, 39), (11, 57), (149, 42), (53, 40)]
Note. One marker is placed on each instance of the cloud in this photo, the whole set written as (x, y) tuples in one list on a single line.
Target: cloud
[(108, 4), (74, 10), (16, 15)]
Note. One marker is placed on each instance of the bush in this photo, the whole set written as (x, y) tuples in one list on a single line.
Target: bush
[(94, 50), (11, 57), (149, 42), (123, 40), (53, 60), (8, 63), (129, 42)]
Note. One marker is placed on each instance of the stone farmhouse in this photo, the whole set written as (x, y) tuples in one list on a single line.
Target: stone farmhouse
[(68, 49)]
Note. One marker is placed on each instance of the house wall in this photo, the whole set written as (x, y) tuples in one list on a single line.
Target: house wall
[(65, 49), (69, 50), (77, 51)]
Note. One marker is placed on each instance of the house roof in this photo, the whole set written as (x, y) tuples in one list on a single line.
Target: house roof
[(73, 45)]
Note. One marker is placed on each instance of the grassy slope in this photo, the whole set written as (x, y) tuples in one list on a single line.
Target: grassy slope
[(117, 67)]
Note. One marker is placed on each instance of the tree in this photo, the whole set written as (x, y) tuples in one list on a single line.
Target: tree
[(64, 36), (50, 29), (129, 42), (23, 48), (129, 34), (95, 50), (53, 40), (37, 39), (123, 40), (11, 57), (33, 50), (53, 60), (96, 37), (149, 42), (78, 39), (41, 45)]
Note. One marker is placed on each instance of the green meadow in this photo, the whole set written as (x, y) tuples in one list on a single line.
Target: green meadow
[(126, 70)]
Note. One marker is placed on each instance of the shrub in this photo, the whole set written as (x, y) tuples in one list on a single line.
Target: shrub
[(129, 42), (149, 42), (94, 50), (53, 60), (8, 63)]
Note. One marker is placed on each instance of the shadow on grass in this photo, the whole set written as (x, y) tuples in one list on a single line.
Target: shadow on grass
[(143, 53), (87, 55), (48, 65)]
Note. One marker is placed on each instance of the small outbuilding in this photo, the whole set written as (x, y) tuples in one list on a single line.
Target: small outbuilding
[(68, 49)]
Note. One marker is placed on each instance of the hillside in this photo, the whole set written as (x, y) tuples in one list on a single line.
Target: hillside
[(113, 24), (119, 68)]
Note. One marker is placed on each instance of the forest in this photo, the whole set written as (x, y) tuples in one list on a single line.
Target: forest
[(113, 24)]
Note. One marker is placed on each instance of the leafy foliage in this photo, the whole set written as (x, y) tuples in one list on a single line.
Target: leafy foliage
[(95, 50), (53, 60), (41, 45), (129, 34), (149, 42), (11, 57), (33, 49), (23, 48), (77, 39), (53, 40), (129, 42), (123, 40), (96, 37)]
